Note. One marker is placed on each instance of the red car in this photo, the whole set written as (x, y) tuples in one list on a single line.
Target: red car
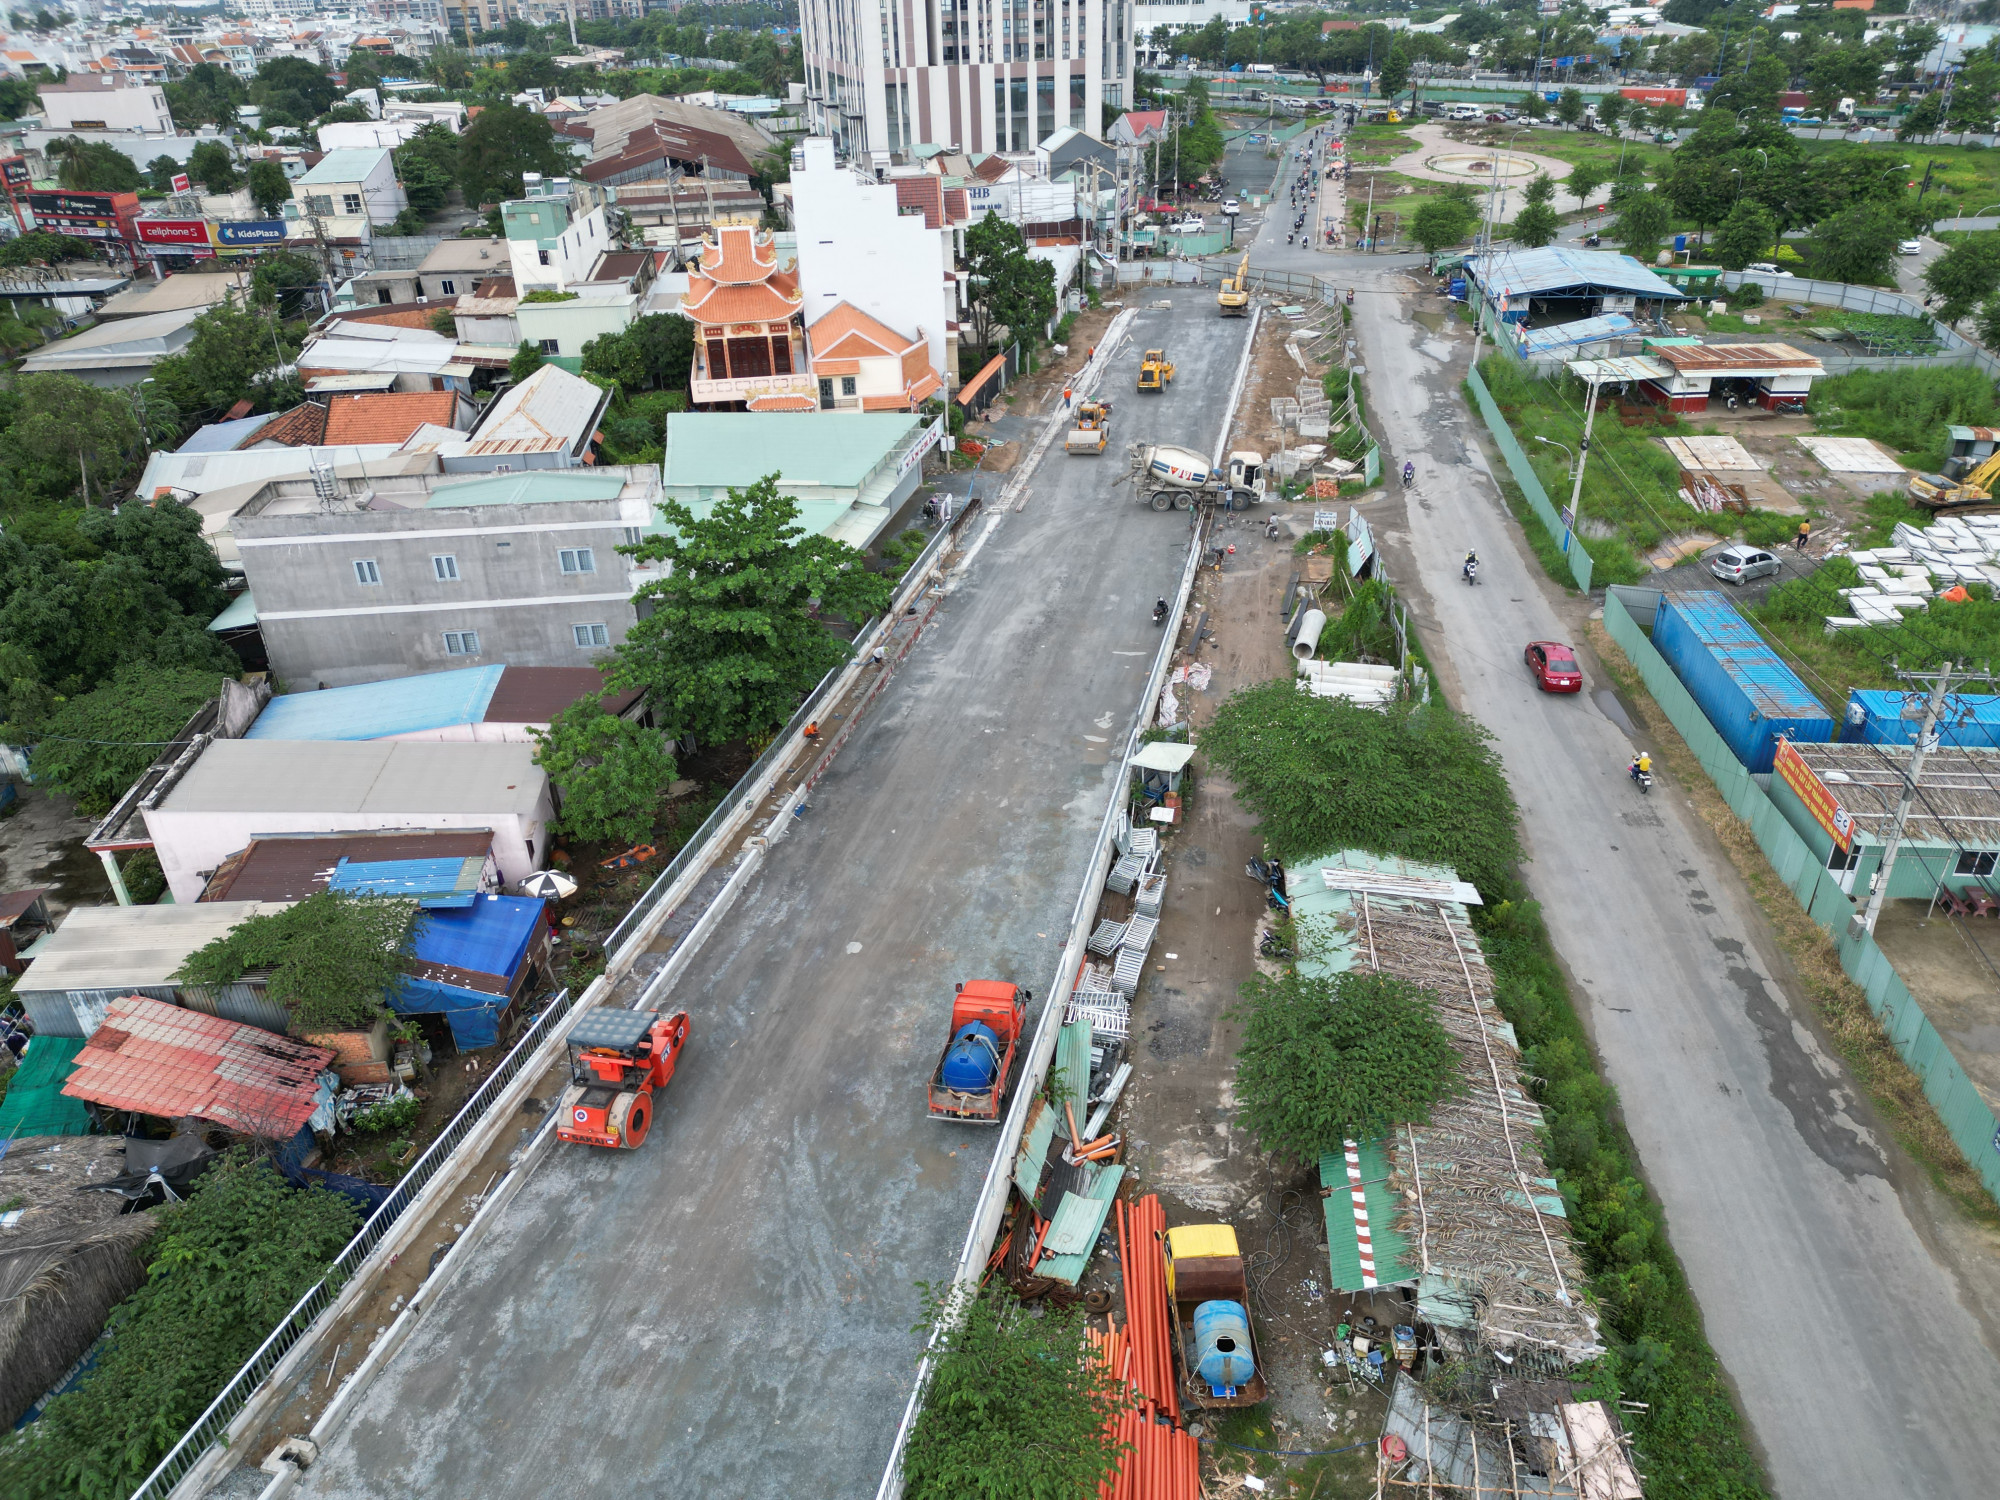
[(1555, 667)]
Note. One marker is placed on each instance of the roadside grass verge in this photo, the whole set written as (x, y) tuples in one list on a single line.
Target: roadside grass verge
[(1896, 1091)]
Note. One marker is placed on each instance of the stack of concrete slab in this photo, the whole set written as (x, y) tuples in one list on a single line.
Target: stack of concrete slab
[(1370, 684), (1920, 562)]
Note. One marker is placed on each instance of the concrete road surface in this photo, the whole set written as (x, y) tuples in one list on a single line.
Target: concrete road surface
[(728, 1311), (1857, 1334)]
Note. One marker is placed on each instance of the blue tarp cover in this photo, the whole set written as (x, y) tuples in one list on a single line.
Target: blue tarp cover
[(490, 936), (433, 882), (473, 1015), (377, 710)]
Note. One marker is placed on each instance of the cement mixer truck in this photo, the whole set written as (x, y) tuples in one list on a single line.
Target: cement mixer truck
[(1171, 478)]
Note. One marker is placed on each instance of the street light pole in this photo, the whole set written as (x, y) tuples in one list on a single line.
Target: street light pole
[(1570, 516), (1569, 454)]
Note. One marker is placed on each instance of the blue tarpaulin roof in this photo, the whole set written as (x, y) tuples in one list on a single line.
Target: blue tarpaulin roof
[(433, 883), (490, 936), (376, 710), (473, 1015)]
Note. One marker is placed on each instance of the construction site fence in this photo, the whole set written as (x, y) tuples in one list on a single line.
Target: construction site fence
[(1957, 348), (1967, 1117), (780, 745), (1524, 475), (213, 1424)]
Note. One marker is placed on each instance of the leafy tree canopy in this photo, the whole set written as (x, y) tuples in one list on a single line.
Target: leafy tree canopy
[(223, 1270), (1009, 288), (56, 431), (93, 166), (233, 354), (1535, 225), (333, 958), (211, 165), (732, 642), (1858, 245), (1746, 235), (39, 247), (270, 189), (1323, 775), (504, 142), (610, 772), (1325, 1060), (94, 747), (1439, 222), (527, 359), (655, 353), (1965, 275), (1643, 221)]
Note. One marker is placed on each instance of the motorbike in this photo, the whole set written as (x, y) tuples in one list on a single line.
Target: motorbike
[(1271, 875), (1471, 571), (1643, 778), (1593, 240), (1409, 475), (1273, 946), (1271, 529), (1159, 611)]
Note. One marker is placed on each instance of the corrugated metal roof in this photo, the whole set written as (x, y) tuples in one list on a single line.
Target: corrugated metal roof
[(1388, 1259), (1080, 1218), (349, 164), (1070, 1072), (376, 710), (430, 882), (1773, 687), (1738, 359), (225, 437), (159, 1059), (131, 947), (381, 777), (291, 869), (1558, 268), (835, 449), (240, 615), (1582, 331), (551, 403), (1036, 1134)]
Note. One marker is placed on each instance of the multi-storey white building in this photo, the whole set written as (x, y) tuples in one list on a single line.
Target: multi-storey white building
[(977, 75)]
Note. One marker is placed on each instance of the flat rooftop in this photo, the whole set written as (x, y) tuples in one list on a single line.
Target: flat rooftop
[(389, 777)]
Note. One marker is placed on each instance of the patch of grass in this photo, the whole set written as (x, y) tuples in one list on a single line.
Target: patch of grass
[(1611, 560), (1767, 528), (1908, 410), (1894, 1089)]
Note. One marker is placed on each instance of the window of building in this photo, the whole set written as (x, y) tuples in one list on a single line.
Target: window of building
[(542, 256), (847, 385), (350, 203), (632, 536), (365, 570), (461, 643), (445, 567), (591, 635), (551, 346), (382, 294), (449, 288), (577, 560), (1976, 862)]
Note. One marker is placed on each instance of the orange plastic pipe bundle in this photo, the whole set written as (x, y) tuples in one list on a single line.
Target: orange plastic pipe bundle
[(1160, 1462), (1142, 1257)]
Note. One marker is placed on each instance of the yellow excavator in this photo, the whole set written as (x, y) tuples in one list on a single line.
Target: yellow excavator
[(1155, 370), (1234, 297), (1936, 492)]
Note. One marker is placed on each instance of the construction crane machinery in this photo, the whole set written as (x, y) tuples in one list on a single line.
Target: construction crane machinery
[(617, 1060), (1234, 296), (1093, 428), (1936, 492), (1155, 371)]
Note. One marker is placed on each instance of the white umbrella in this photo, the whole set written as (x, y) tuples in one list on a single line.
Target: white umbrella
[(550, 885)]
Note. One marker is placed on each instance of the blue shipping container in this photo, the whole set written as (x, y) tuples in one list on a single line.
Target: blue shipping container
[(1749, 695), (1970, 721)]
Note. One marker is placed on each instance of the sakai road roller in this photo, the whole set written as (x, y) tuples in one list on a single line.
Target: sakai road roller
[(617, 1059)]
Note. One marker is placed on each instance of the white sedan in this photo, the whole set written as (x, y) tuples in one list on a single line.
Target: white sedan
[(1910, 247)]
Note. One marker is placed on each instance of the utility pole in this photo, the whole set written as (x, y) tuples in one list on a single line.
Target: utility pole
[(1582, 453), (1940, 681)]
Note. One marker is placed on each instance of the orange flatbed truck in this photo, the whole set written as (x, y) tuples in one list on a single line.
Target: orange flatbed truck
[(972, 1074)]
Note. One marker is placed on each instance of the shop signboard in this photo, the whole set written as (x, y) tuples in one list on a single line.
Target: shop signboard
[(243, 232), (173, 232)]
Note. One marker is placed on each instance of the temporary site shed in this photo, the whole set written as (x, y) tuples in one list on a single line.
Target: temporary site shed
[(470, 963)]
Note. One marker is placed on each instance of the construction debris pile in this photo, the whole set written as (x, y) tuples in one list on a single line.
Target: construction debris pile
[(1484, 1432), (1924, 562)]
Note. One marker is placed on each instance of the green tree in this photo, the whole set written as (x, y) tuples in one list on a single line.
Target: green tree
[(39, 247), (222, 1271), (1570, 107), (283, 279), (1008, 288), (1325, 1060), (1539, 191), (1964, 276), (655, 353), (208, 95), (233, 355), (1395, 75), (609, 772), (505, 141), (449, 67), (1018, 1408), (161, 172), (527, 359), (1858, 245), (1585, 178), (213, 167), (93, 166), (1323, 775), (1533, 105), (164, 537), (1924, 119), (270, 189), (1439, 222), (1667, 117), (1642, 222), (292, 90), (94, 746), (1535, 225), (1746, 235), (1611, 110), (427, 163), (63, 436), (733, 641), (18, 97), (332, 959)]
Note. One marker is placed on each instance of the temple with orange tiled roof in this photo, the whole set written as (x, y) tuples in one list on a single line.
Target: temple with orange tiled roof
[(749, 326)]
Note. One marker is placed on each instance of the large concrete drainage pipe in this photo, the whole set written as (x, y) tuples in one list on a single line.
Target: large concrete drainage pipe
[(1307, 641)]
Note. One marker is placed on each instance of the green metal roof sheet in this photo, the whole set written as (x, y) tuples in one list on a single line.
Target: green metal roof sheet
[(836, 449), (1310, 897), (242, 612), (1390, 1253), (1071, 1072), (35, 1103), (1086, 1223), (1034, 1152), (534, 487)]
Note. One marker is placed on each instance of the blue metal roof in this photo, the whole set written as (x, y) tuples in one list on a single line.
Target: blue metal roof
[(225, 437), (377, 710), (431, 882), (1582, 331), (1559, 268), (490, 936), (1773, 688)]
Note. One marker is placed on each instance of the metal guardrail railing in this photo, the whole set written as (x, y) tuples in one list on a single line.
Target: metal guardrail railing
[(213, 1423)]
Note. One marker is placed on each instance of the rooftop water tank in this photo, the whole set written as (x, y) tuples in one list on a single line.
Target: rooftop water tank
[(972, 1061), (1222, 1346)]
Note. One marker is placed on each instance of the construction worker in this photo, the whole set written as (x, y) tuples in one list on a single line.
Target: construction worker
[(1066, 395), (1804, 535)]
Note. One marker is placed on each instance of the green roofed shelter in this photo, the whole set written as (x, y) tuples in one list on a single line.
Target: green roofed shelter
[(35, 1103)]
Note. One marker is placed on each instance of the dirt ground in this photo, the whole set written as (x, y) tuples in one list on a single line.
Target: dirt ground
[(1178, 1115), (41, 843), (1949, 964)]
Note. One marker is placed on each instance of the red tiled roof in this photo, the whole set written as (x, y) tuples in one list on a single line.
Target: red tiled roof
[(956, 207), (386, 418), (739, 255), (923, 194), (159, 1059), (992, 168), (301, 427), (783, 403), (393, 314), (771, 301), (846, 332)]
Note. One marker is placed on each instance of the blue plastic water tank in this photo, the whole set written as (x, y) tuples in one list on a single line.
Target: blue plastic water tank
[(972, 1058), (1222, 1345)]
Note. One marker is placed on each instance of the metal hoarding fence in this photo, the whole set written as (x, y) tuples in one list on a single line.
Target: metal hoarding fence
[(1966, 1115), (1524, 475)]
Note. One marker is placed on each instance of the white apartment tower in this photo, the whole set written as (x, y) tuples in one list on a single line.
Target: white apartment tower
[(974, 75)]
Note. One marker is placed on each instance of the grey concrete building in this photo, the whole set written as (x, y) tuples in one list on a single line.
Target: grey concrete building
[(358, 580), (451, 270)]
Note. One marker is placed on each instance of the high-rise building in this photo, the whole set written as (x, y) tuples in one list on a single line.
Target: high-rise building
[(978, 75)]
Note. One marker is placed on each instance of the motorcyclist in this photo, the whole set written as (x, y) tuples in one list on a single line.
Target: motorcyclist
[(1471, 567), (1409, 473), (1159, 609), (1642, 765)]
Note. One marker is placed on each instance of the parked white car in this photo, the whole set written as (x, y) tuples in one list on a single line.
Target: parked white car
[(1766, 268), (1231, 206), (1192, 224), (1910, 247)]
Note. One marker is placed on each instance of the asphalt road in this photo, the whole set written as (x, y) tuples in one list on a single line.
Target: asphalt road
[(1852, 1331), (729, 1310)]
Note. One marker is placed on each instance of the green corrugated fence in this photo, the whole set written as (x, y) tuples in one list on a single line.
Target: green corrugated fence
[(1525, 477), (1966, 1115)]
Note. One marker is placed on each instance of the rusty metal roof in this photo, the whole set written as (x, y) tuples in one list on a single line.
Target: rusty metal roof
[(1736, 359)]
